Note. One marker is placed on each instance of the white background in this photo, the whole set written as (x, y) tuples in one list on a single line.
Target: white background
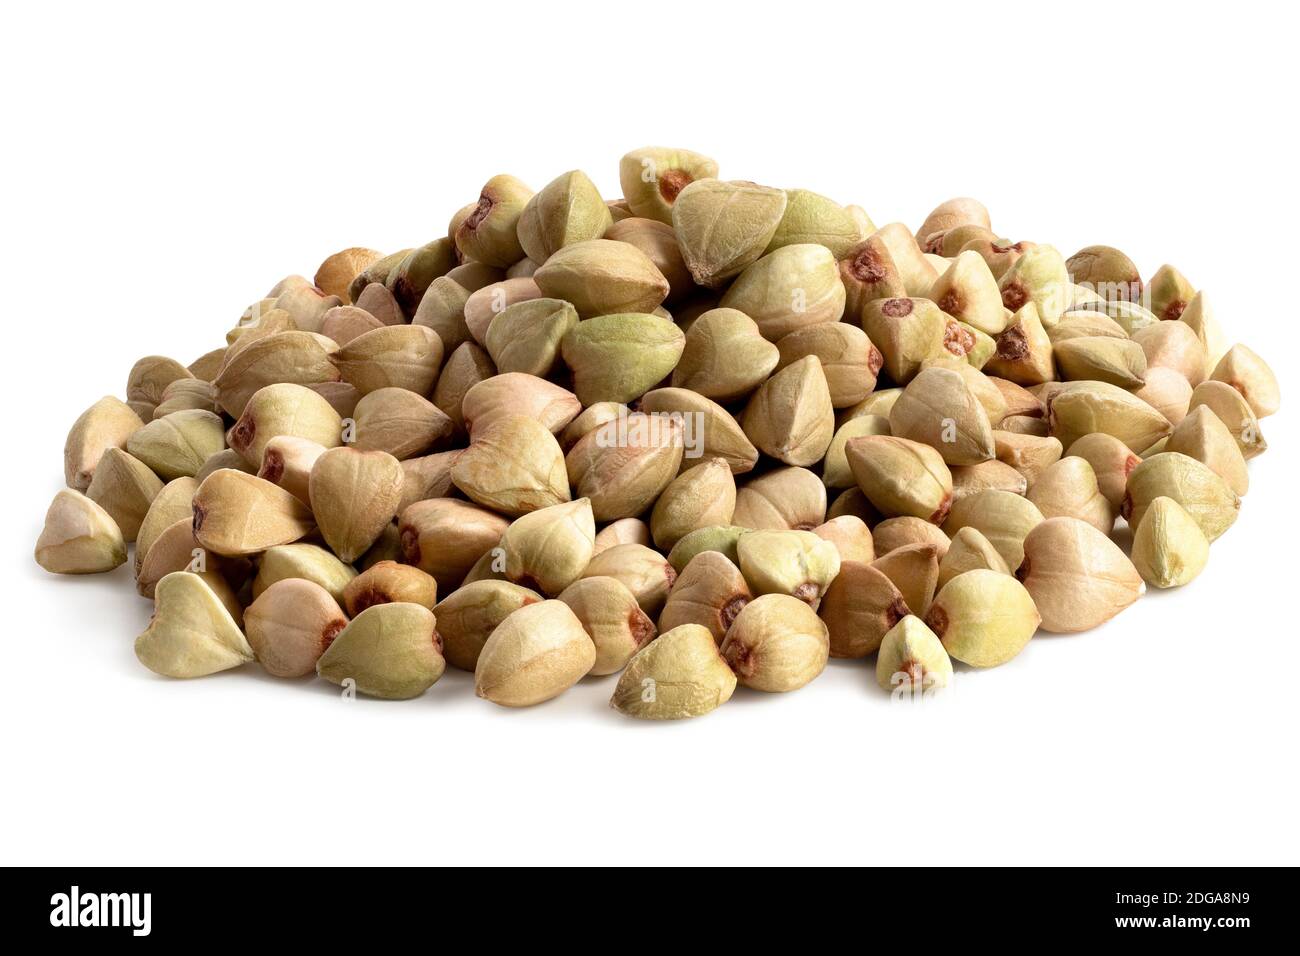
[(164, 165)]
